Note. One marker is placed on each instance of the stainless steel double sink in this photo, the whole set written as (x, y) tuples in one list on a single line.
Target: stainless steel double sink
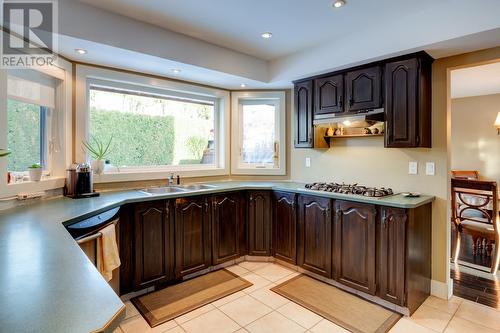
[(178, 189)]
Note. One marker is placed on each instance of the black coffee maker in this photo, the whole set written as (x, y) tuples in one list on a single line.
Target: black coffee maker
[(79, 182)]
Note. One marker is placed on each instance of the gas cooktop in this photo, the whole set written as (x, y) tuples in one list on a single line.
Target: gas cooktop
[(350, 189)]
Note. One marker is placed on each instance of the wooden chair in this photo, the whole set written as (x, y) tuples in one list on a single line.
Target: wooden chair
[(475, 212), (465, 174)]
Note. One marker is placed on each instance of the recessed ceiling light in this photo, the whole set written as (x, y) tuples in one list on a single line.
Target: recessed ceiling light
[(338, 3), (243, 85), (267, 35), (81, 51), (176, 71)]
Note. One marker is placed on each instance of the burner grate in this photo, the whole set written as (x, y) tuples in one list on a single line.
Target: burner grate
[(351, 189)]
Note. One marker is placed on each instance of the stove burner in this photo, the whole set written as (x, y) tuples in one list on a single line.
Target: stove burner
[(350, 189)]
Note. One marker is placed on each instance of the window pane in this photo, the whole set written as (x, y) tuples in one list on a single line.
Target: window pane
[(152, 131), (259, 126), (23, 135)]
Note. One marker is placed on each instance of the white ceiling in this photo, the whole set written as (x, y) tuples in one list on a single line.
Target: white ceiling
[(476, 81), (218, 42), (236, 24)]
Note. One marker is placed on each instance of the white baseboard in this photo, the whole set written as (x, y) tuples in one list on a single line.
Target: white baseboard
[(441, 289)]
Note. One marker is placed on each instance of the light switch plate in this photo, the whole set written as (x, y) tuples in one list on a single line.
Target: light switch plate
[(430, 168), (308, 162), (413, 168)]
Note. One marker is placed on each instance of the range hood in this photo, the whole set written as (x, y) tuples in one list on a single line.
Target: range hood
[(368, 116)]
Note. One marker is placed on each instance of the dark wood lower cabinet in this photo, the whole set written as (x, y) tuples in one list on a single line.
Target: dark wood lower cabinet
[(192, 235), (227, 227), (154, 253), (314, 251), (392, 255), (355, 245), (259, 223), (284, 226)]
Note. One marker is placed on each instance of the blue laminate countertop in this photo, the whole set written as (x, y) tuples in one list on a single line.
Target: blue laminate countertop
[(47, 284)]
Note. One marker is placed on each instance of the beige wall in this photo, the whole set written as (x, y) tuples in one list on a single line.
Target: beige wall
[(475, 144), (366, 161)]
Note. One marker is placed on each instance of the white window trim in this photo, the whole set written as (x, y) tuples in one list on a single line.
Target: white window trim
[(236, 97), (85, 75), (57, 161)]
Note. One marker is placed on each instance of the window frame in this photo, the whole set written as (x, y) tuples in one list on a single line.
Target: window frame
[(237, 165), (87, 76)]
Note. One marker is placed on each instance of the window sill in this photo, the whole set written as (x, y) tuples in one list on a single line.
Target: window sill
[(48, 183), (135, 175), (259, 171)]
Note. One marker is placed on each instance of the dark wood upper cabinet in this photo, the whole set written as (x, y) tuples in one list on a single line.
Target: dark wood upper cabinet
[(226, 227), (259, 223), (363, 89), (355, 246), (192, 235), (154, 253), (304, 114), (328, 96), (408, 103), (392, 254), (284, 226), (314, 252)]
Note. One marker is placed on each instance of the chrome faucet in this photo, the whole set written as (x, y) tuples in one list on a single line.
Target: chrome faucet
[(170, 179)]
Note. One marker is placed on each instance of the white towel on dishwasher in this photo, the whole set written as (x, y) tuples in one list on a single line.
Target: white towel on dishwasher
[(108, 252)]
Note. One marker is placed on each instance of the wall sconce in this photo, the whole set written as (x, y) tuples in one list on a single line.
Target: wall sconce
[(497, 123)]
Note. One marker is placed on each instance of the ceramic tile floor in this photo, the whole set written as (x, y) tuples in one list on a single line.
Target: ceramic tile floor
[(259, 310)]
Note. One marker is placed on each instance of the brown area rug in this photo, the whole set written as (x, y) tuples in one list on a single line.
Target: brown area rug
[(346, 310), (166, 304)]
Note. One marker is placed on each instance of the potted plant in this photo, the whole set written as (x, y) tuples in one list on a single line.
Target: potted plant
[(98, 151), (35, 172)]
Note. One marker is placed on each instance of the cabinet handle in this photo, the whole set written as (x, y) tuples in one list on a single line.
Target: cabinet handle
[(340, 101), (206, 207), (351, 101)]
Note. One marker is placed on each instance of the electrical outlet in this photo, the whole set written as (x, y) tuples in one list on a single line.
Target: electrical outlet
[(430, 168), (413, 168), (308, 162)]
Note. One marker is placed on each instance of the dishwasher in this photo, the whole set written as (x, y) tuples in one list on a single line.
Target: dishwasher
[(87, 233)]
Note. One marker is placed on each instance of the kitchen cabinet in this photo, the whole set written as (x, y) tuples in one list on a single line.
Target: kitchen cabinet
[(408, 102), (284, 227), (328, 96), (314, 252), (259, 223), (227, 226), (363, 89), (392, 253), (154, 253), (303, 121), (193, 240), (355, 246)]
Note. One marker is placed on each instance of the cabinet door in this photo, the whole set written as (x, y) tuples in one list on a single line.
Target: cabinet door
[(401, 104), (192, 235), (363, 89), (391, 263), (314, 251), (328, 96), (304, 114), (226, 220), (154, 255), (284, 227), (259, 223), (355, 231)]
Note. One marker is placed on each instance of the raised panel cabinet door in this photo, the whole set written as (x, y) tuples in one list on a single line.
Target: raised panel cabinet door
[(314, 251), (226, 219), (391, 263), (328, 96), (153, 252), (303, 92), (259, 223), (401, 104), (363, 89), (355, 251), (192, 235), (284, 227)]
